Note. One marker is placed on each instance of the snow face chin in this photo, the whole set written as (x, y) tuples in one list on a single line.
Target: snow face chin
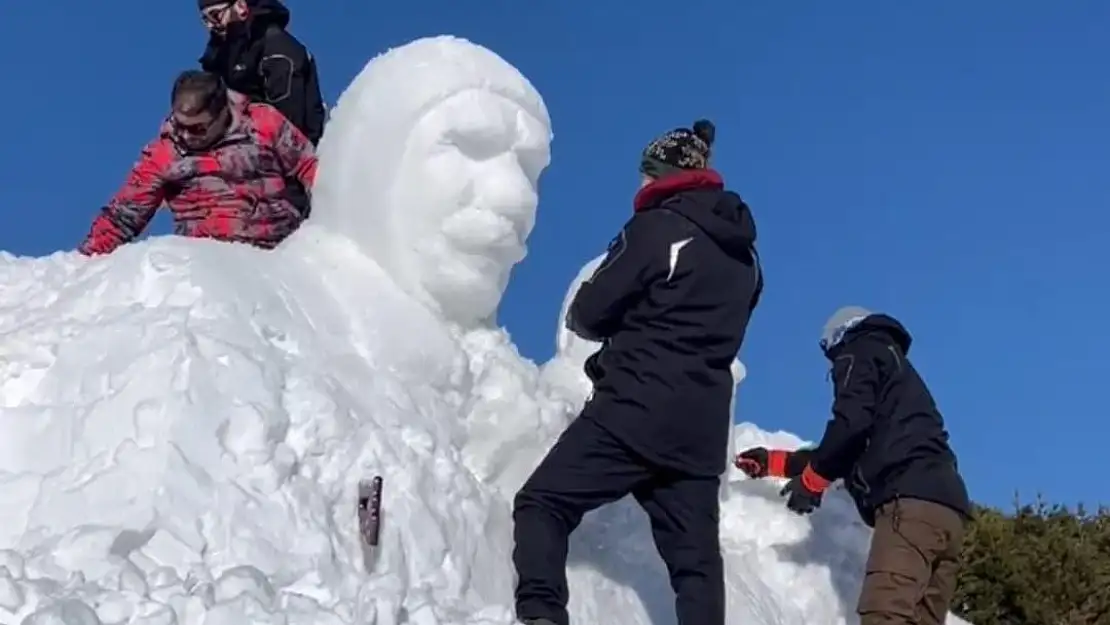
[(466, 193)]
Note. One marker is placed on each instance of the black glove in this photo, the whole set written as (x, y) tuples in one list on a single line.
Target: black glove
[(753, 462), (760, 462), (804, 492)]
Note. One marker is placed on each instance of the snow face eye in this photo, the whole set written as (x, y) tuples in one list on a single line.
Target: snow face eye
[(477, 145)]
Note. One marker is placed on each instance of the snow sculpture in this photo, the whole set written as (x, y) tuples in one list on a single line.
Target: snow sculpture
[(438, 181), (443, 203), (182, 407)]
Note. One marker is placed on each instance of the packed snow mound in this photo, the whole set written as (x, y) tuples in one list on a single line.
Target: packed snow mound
[(183, 423)]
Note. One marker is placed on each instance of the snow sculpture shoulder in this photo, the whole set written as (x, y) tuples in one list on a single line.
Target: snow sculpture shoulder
[(568, 344), (430, 164)]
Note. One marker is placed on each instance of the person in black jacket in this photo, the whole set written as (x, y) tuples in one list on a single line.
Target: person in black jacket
[(250, 48), (671, 303), (887, 441)]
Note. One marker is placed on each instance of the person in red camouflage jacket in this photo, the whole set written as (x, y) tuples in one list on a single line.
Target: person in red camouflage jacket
[(221, 163)]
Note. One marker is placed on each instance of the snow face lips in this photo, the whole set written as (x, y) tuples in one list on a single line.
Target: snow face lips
[(438, 182)]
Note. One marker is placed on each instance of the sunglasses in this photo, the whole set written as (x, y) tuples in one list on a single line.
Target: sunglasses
[(216, 14), (196, 129), (200, 129)]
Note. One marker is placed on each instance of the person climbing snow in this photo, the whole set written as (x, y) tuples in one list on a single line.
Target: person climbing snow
[(220, 162), (671, 303), (250, 47), (887, 441)]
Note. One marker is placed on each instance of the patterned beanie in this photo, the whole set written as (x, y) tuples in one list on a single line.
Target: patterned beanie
[(681, 148)]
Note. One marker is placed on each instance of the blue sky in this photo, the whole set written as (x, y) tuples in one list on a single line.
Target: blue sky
[(945, 162)]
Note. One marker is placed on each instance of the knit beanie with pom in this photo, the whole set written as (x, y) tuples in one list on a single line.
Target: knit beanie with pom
[(679, 149)]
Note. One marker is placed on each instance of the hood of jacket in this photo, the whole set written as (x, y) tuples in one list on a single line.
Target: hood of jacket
[(266, 13), (699, 195), (858, 322)]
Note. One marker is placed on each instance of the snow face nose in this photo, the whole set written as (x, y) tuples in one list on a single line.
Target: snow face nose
[(498, 214), (510, 194)]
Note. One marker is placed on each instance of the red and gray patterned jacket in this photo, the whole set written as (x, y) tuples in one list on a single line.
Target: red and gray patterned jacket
[(234, 191)]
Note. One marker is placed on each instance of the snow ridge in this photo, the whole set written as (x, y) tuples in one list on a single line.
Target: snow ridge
[(183, 423)]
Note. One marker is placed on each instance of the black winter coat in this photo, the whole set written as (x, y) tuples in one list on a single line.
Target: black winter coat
[(261, 60), (886, 437), (671, 303)]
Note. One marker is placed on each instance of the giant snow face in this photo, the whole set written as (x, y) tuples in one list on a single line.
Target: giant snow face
[(445, 169)]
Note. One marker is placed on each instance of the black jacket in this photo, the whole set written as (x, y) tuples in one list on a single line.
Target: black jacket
[(886, 437), (262, 60), (671, 303)]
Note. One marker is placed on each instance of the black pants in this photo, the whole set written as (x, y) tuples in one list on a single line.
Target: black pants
[(588, 468)]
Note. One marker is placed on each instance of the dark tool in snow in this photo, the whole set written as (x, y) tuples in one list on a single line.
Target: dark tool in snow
[(370, 509)]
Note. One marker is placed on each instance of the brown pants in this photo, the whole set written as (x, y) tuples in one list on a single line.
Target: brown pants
[(911, 570)]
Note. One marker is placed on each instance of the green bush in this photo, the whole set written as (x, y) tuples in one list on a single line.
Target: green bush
[(1038, 565)]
